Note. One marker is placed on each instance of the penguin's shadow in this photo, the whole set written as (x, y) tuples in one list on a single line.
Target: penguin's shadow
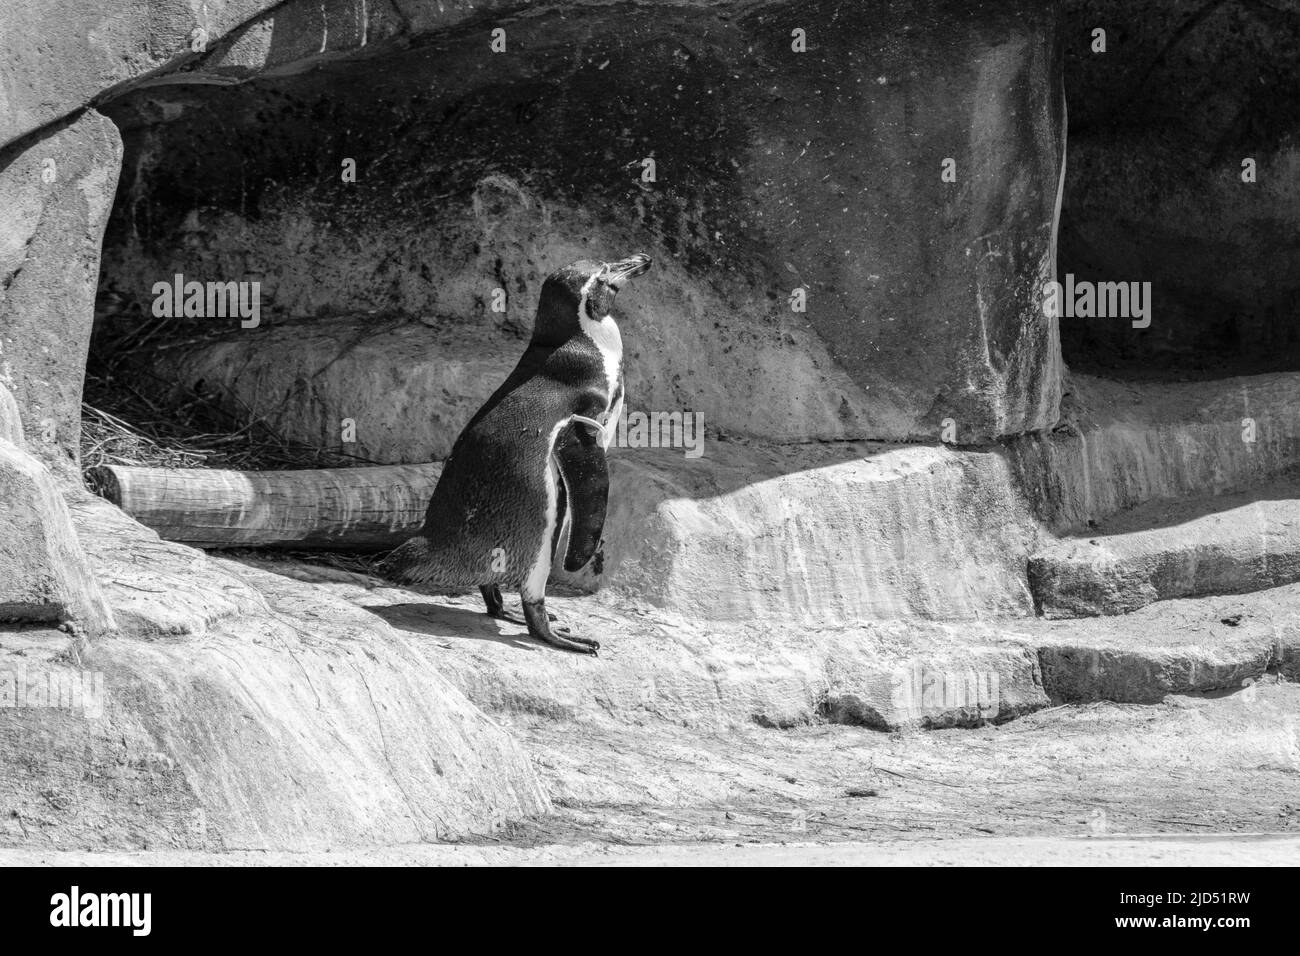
[(442, 621)]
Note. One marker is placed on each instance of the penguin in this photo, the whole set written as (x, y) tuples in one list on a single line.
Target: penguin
[(531, 461)]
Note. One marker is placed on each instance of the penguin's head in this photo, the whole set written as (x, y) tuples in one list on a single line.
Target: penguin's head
[(581, 290)]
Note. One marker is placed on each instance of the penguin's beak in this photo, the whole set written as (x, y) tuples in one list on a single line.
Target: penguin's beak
[(616, 273)]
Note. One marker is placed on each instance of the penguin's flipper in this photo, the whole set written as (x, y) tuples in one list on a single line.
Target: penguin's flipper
[(581, 458)]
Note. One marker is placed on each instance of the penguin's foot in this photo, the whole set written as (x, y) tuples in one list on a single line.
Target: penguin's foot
[(496, 608), (513, 618), (539, 627), (496, 605)]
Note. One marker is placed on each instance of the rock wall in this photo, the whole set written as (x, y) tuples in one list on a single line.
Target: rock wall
[(56, 189), (778, 174), (62, 54), (1123, 444), (1160, 124), (798, 150)]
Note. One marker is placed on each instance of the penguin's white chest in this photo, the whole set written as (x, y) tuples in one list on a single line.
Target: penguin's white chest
[(610, 343)]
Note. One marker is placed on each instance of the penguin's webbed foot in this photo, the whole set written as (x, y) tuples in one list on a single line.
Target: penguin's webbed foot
[(539, 627)]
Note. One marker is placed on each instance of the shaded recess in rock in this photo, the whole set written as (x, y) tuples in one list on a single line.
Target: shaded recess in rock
[(1159, 127), (774, 170)]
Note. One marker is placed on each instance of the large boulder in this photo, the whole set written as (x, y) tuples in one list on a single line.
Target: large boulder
[(817, 535), (407, 389), (56, 190), (239, 709)]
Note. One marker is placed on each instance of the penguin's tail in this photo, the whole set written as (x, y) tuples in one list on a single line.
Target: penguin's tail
[(411, 562)]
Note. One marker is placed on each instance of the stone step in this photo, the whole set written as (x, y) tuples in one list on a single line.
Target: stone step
[(1183, 646), (1222, 544), (1122, 444), (655, 665)]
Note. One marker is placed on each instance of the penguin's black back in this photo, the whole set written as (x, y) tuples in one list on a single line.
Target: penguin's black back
[(488, 515)]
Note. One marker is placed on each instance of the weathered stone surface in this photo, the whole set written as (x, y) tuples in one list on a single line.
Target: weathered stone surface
[(922, 301), (11, 422), (832, 794), (280, 718), (408, 389), (170, 590), (80, 50), (817, 534), (1123, 444), (44, 574), (50, 236), (1228, 544), (1174, 647), (604, 729), (660, 666), (1159, 127), (946, 680), (61, 54)]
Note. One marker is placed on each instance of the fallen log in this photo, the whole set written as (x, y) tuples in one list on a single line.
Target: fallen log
[(342, 509)]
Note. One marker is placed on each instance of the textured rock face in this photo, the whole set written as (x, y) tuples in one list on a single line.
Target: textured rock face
[(237, 708), (44, 574), (1224, 545), (60, 54), (1123, 444), (775, 171), (55, 194), (1159, 127), (408, 388), (11, 422), (654, 667), (818, 536)]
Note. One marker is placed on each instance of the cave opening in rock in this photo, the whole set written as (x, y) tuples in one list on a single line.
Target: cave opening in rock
[(398, 206), (397, 211), (396, 214), (1181, 173)]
